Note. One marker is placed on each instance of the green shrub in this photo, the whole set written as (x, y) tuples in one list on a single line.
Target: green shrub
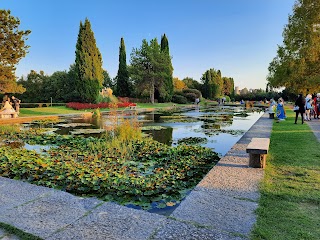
[(194, 91), (179, 99), (103, 99), (191, 96)]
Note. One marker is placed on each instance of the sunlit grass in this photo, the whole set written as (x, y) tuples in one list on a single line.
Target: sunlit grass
[(289, 207), (26, 112)]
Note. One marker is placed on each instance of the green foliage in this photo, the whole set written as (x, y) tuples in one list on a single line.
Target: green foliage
[(212, 84), (166, 94), (196, 92), (9, 129), (228, 86), (290, 194), (12, 50), (179, 99), (118, 167), (192, 140), (296, 65), (88, 64), (149, 70), (260, 96), (192, 84), (34, 84), (123, 85), (107, 81)]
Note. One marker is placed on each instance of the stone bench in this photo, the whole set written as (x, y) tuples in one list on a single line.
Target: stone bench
[(258, 150), (8, 115)]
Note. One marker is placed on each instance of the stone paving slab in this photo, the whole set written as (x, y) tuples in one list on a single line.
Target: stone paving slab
[(47, 214), (210, 208), (112, 221), (233, 178), (15, 193), (173, 230)]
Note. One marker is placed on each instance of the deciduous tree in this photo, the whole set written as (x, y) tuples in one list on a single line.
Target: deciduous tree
[(178, 84), (296, 65), (148, 69), (12, 49)]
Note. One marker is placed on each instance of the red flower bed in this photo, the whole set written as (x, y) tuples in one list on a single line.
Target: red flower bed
[(79, 106)]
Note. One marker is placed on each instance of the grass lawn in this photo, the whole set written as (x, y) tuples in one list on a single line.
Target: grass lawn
[(289, 207), (26, 112)]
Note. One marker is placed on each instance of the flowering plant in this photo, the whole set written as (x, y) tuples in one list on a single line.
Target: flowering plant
[(81, 106)]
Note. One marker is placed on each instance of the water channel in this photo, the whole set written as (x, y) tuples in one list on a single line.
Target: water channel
[(222, 126)]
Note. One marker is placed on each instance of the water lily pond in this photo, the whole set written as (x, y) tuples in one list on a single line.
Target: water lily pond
[(83, 156), (218, 127)]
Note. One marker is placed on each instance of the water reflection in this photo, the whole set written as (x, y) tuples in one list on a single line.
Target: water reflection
[(222, 126)]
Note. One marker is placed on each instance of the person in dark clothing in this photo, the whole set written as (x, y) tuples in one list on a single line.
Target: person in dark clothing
[(300, 102), (16, 104)]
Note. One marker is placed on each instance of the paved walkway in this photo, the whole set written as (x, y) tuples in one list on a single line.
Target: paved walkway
[(315, 127), (220, 207)]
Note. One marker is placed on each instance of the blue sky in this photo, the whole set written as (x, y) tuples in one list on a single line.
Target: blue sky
[(239, 37)]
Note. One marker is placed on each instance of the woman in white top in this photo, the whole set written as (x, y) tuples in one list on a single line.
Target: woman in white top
[(7, 108)]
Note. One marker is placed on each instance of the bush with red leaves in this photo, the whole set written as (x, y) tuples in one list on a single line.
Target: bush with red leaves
[(81, 106)]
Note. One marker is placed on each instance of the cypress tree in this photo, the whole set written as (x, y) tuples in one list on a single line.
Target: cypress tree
[(123, 88), (168, 88), (88, 64)]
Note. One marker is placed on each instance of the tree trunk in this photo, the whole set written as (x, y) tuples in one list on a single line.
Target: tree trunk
[(152, 91)]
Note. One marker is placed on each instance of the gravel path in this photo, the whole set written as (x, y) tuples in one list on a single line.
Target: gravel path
[(220, 207)]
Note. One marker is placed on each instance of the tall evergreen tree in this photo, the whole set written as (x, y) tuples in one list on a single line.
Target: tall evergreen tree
[(12, 50), (207, 88), (123, 86), (168, 88), (88, 64)]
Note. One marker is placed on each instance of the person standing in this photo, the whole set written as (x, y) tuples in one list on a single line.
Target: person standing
[(316, 105), (308, 109), (300, 102), (281, 113), (16, 104)]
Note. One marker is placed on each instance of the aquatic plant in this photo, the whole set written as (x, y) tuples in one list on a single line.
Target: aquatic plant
[(144, 172), (192, 140)]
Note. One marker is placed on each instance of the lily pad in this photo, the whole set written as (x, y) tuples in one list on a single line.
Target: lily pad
[(192, 140), (146, 128), (87, 131), (73, 125)]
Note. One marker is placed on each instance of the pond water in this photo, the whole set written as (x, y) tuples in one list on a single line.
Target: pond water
[(222, 126)]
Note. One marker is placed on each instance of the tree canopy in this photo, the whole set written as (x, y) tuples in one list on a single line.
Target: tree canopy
[(123, 86), (88, 64), (212, 84), (296, 65), (149, 69), (12, 49), (167, 93)]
